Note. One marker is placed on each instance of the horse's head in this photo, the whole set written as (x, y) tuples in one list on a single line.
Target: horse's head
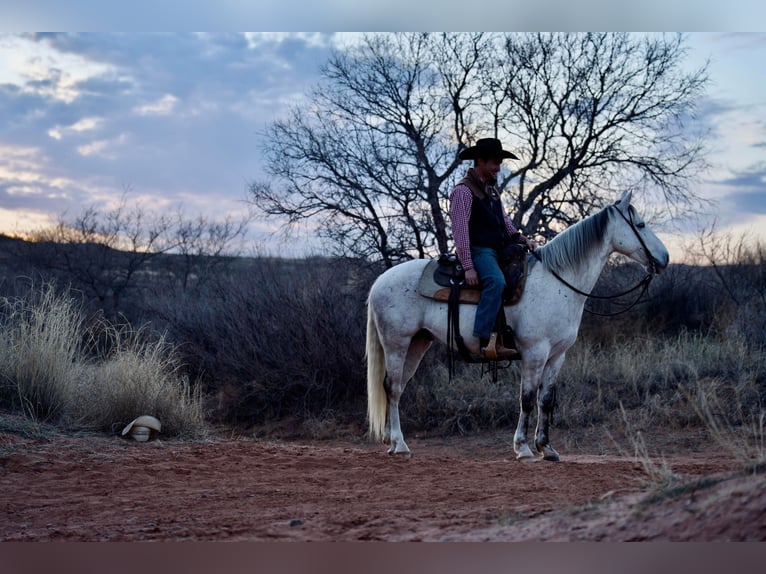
[(634, 238)]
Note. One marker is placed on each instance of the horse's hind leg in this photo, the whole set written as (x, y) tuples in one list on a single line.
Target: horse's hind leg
[(394, 389), (400, 370)]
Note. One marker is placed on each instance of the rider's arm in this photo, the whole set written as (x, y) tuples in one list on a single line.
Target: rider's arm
[(461, 200)]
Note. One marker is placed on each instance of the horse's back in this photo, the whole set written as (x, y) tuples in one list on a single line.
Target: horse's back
[(402, 277)]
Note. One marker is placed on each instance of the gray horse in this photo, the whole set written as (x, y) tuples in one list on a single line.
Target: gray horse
[(402, 324)]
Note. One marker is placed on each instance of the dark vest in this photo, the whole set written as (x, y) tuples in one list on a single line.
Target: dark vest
[(486, 227)]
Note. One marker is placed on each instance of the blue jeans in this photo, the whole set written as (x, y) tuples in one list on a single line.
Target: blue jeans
[(492, 286)]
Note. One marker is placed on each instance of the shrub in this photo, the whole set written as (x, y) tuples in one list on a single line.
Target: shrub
[(51, 369), (276, 339), (39, 343), (137, 376)]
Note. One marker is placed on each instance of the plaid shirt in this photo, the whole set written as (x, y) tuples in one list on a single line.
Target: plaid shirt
[(461, 201)]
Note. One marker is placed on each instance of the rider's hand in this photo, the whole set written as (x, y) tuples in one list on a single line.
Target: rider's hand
[(471, 277), (531, 244)]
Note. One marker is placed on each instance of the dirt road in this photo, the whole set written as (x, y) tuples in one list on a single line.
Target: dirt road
[(92, 488)]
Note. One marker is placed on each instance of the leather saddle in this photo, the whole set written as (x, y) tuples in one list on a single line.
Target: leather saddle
[(440, 275)]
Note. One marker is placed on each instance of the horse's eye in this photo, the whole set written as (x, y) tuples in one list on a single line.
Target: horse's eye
[(640, 224)]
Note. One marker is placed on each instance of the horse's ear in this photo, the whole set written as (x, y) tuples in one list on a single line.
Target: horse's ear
[(625, 199)]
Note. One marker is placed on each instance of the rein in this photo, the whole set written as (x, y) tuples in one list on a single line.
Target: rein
[(643, 284)]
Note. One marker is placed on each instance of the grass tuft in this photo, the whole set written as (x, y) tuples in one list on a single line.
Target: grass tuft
[(52, 371)]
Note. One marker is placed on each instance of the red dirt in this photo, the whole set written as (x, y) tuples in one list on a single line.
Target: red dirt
[(95, 487)]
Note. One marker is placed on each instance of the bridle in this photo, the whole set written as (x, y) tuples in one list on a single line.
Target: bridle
[(643, 284)]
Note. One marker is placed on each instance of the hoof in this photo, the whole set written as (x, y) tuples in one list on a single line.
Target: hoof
[(403, 455), (526, 459), (549, 453), (401, 451), (525, 454)]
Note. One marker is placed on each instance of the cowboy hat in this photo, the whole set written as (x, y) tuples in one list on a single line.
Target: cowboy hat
[(486, 148), (142, 428)]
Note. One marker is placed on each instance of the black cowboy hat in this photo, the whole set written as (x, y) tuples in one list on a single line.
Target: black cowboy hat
[(486, 148)]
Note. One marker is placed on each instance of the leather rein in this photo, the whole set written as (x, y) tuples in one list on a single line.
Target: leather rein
[(643, 284)]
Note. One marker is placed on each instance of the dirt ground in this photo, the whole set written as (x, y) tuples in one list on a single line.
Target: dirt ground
[(98, 488)]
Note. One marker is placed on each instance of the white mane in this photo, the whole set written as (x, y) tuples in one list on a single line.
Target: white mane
[(568, 248)]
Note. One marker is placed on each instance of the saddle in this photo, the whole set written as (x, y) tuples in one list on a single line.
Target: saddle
[(441, 275)]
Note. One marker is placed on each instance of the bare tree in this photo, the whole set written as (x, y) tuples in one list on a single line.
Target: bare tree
[(111, 253), (204, 246), (738, 263), (592, 114), (102, 253), (373, 154)]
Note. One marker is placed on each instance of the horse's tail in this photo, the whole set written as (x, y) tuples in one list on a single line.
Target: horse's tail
[(377, 399)]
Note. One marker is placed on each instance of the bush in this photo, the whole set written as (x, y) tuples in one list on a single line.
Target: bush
[(276, 339), (51, 369), (655, 375), (472, 401), (137, 376), (39, 343)]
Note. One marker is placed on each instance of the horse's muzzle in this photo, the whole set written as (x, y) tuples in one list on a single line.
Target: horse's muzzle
[(657, 266)]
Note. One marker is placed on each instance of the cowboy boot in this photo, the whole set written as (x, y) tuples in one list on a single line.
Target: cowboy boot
[(496, 351), (488, 350), (505, 354)]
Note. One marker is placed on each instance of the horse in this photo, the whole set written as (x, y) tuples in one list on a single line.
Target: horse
[(403, 324)]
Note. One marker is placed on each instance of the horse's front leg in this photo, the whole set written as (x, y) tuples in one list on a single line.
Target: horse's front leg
[(545, 412), (520, 445), (530, 377), (546, 405)]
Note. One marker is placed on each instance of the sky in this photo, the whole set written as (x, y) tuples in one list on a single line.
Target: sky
[(174, 118)]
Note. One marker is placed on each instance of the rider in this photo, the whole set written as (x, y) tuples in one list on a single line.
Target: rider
[(481, 228)]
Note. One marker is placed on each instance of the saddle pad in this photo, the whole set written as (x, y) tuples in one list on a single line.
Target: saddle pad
[(468, 296)]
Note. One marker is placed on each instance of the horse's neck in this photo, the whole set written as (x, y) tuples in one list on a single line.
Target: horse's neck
[(585, 273), (590, 268)]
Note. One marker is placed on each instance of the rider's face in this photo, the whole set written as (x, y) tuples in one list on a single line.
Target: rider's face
[(487, 169)]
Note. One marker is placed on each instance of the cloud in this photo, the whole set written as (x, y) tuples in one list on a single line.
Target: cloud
[(162, 107), (190, 104), (752, 178), (23, 221), (38, 68), (740, 197), (176, 117), (104, 148), (25, 179), (86, 124), (256, 40)]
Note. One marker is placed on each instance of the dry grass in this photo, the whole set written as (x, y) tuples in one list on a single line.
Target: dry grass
[(39, 343), (294, 349), (658, 474), (631, 388), (136, 377), (49, 371), (731, 422), (712, 382), (656, 375)]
